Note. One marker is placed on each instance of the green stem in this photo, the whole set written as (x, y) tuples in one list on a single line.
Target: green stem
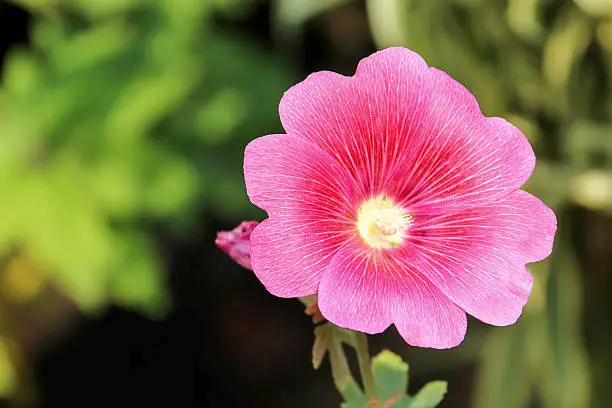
[(365, 365)]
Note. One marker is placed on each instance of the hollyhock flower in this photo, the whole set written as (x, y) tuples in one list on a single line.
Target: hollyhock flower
[(395, 200), (236, 242)]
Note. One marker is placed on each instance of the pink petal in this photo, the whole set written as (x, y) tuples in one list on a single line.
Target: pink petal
[(410, 131), (477, 257), (292, 177), (463, 158), (303, 190), (289, 258), (425, 317), (354, 292), (366, 290)]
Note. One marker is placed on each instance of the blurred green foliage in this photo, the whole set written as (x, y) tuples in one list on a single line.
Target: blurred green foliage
[(119, 118), (546, 66), (124, 114)]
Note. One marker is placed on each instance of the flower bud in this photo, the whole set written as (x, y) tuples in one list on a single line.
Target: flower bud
[(236, 243)]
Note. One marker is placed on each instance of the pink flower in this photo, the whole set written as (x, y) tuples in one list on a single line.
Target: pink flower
[(397, 201), (236, 242)]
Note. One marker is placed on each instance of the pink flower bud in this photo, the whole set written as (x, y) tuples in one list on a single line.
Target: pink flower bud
[(236, 243)]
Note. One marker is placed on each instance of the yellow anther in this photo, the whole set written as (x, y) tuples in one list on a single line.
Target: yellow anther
[(382, 223)]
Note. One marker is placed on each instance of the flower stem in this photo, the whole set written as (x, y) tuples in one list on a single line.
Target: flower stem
[(365, 365)]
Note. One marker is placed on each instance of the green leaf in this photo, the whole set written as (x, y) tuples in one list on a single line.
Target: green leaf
[(329, 339), (391, 376), (429, 396), (321, 343), (353, 396)]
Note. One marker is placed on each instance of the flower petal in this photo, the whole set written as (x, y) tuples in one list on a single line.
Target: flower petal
[(461, 158), (289, 258), (477, 257), (426, 317), (306, 194), (402, 128), (354, 293), (293, 177), (367, 290)]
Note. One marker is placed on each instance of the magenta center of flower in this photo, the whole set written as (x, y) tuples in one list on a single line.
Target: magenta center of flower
[(382, 223)]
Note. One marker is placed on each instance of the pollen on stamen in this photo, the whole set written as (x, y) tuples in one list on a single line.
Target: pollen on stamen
[(382, 223)]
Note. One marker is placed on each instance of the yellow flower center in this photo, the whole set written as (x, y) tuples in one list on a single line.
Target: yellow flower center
[(382, 223)]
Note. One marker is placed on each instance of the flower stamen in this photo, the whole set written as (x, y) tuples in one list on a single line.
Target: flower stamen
[(382, 223)]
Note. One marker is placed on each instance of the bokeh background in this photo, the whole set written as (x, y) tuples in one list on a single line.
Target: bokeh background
[(122, 127)]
